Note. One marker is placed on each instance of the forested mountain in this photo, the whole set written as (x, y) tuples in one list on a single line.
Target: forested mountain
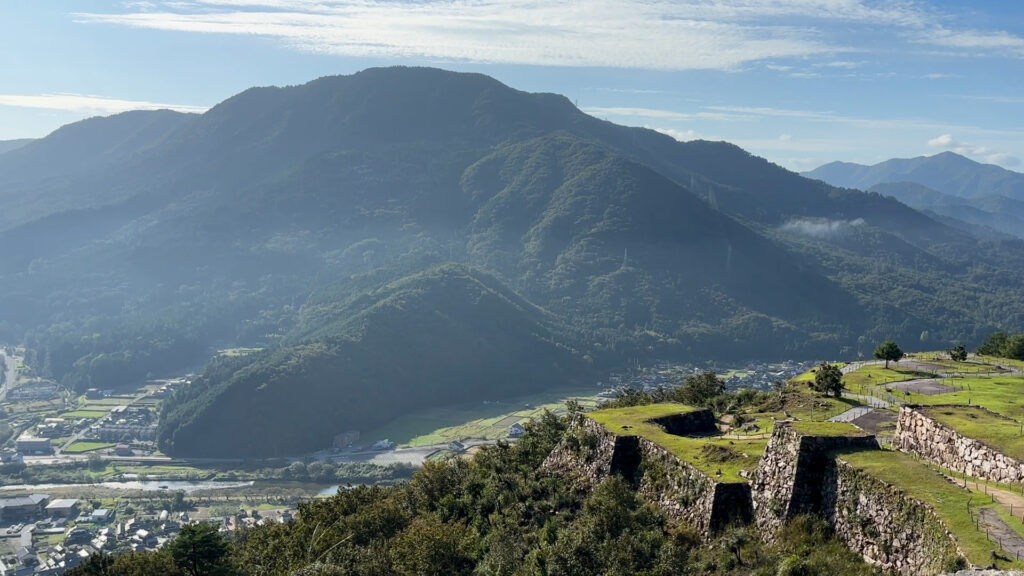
[(946, 172), (997, 213), (146, 240), (8, 145), (449, 334)]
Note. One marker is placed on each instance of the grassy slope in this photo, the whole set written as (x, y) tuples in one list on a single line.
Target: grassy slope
[(948, 501)]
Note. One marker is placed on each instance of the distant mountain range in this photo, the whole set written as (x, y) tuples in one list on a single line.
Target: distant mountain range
[(8, 145), (407, 231), (985, 196)]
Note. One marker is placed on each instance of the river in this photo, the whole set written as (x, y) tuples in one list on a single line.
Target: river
[(143, 485)]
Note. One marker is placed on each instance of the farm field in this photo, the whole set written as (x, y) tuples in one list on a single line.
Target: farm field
[(488, 421), (82, 447)]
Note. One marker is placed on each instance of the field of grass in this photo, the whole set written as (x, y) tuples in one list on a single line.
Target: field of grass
[(949, 501), (869, 379), (489, 420), (633, 421), (84, 414), (1001, 434), (810, 428), (80, 447), (1002, 394)]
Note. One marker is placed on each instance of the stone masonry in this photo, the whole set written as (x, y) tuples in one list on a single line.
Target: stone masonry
[(918, 434)]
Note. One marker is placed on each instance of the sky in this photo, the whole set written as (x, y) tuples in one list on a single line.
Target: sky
[(799, 82)]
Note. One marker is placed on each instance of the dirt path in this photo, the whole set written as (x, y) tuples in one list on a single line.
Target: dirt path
[(925, 386), (1001, 535)]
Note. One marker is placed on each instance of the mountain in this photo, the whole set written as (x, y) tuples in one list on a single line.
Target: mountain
[(429, 339), (77, 166), (947, 172), (8, 145), (998, 213), (282, 216)]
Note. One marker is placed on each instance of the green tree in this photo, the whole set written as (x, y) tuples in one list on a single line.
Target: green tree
[(828, 379), (958, 353), (199, 550), (699, 389), (994, 344), (888, 351)]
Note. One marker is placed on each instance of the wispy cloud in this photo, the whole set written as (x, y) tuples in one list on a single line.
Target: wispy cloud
[(948, 142), (86, 104), (653, 34)]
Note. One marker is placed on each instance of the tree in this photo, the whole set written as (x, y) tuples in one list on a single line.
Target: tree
[(199, 550), (699, 389), (958, 353), (887, 351), (994, 344), (828, 379)]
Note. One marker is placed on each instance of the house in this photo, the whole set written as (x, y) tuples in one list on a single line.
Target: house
[(93, 394), (516, 430), (63, 508), (22, 508), (456, 446), (384, 444), (101, 516), (32, 445), (123, 450)]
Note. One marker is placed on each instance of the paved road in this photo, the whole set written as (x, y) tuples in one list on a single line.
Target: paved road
[(851, 414)]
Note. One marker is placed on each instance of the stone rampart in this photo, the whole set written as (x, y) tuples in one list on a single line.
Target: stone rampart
[(788, 481), (885, 525), (917, 433), (589, 453)]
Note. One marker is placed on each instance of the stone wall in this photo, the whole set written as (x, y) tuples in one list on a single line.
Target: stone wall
[(788, 481), (690, 496), (585, 454), (916, 433), (695, 423), (887, 527), (589, 453)]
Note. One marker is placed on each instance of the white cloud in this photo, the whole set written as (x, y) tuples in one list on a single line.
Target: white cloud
[(656, 113), (650, 34), (820, 227), (973, 41), (89, 104), (948, 142), (680, 135)]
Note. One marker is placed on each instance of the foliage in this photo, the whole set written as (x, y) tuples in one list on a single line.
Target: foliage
[(888, 351), (200, 550), (455, 327), (1003, 345), (828, 379), (958, 353)]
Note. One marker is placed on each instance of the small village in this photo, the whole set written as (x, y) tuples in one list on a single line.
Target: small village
[(48, 536)]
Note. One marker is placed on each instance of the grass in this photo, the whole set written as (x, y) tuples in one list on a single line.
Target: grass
[(80, 447), (1001, 394), (691, 450), (1001, 434), (84, 414), (488, 420), (863, 380), (949, 501), (810, 428)]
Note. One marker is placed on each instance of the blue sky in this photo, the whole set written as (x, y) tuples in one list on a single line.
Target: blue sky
[(800, 82)]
